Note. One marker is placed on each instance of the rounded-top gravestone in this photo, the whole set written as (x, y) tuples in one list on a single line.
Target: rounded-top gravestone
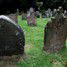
[(12, 39)]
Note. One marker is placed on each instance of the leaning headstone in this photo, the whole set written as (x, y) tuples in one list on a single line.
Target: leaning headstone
[(14, 17), (55, 33), (12, 38), (23, 16)]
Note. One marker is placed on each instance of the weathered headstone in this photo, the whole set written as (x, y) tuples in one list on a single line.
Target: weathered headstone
[(54, 12), (49, 12), (37, 13), (17, 12), (12, 39), (13, 17), (55, 33), (23, 16), (46, 13), (28, 17), (31, 20), (65, 13)]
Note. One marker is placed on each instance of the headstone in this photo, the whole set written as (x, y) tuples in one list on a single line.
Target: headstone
[(28, 18), (31, 19), (49, 12), (17, 11), (37, 13), (65, 13), (12, 38), (23, 16), (54, 12), (55, 33)]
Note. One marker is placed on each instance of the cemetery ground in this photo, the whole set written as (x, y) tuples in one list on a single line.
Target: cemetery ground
[(34, 55), (34, 42)]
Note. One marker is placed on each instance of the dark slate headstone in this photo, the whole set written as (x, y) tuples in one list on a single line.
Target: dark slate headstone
[(12, 39), (55, 33)]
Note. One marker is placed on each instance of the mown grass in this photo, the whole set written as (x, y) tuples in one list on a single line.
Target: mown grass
[(34, 54)]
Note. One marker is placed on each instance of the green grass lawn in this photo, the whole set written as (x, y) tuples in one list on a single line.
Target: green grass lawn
[(34, 42)]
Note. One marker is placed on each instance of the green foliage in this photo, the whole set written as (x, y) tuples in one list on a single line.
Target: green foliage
[(65, 1), (35, 56)]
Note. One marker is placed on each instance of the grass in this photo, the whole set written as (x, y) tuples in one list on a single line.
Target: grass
[(34, 54)]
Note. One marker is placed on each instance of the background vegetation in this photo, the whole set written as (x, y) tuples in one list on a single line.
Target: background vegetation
[(24, 5)]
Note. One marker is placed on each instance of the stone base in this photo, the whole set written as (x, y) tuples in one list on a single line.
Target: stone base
[(53, 49)]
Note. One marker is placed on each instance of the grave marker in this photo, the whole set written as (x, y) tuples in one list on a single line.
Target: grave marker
[(55, 33), (12, 39), (31, 19)]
